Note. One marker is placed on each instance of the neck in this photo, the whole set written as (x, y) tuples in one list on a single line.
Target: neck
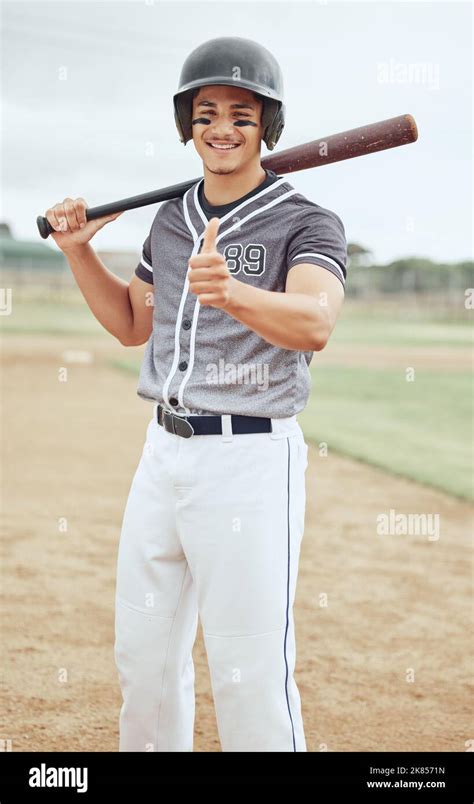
[(223, 188)]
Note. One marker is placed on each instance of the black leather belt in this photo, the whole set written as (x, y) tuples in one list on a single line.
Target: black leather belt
[(186, 426)]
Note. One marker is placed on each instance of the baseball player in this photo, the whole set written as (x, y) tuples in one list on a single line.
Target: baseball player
[(246, 276)]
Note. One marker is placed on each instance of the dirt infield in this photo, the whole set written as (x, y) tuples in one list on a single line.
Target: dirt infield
[(381, 667)]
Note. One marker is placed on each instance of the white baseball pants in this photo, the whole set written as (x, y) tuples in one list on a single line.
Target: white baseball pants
[(212, 528)]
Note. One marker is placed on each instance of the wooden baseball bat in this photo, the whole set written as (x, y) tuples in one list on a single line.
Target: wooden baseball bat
[(360, 141)]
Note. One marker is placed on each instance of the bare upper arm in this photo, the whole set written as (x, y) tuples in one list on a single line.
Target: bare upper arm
[(141, 300), (321, 284)]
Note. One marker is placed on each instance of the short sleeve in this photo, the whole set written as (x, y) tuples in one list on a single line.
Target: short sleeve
[(318, 237), (144, 269)]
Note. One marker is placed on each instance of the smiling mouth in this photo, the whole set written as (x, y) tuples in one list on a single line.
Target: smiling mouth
[(229, 146)]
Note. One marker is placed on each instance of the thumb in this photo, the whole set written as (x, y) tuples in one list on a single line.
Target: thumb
[(113, 216), (100, 222), (210, 235)]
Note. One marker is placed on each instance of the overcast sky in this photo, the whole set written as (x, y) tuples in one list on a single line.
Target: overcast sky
[(107, 131)]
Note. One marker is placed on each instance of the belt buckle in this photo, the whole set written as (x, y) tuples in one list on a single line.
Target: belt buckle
[(177, 425)]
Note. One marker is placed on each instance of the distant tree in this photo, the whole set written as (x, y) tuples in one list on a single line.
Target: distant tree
[(411, 275), (358, 255), (5, 230)]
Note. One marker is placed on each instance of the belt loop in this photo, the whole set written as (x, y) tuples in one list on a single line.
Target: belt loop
[(227, 434), (281, 428)]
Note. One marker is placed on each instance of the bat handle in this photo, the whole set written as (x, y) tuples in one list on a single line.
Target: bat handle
[(44, 226)]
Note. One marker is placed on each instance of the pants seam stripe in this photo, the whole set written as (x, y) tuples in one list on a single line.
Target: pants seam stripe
[(288, 594)]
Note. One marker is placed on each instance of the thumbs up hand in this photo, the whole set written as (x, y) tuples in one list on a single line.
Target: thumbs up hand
[(208, 275)]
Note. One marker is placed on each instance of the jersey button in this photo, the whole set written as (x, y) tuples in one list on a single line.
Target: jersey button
[(183, 365), (173, 401), (186, 323)]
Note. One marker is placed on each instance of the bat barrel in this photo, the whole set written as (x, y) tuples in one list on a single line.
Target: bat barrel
[(361, 141)]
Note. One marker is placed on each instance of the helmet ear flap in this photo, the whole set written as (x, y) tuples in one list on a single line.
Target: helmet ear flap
[(273, 121), (183, 113), (179, 127)]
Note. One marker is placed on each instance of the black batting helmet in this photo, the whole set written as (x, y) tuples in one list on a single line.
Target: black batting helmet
[(232, 61)]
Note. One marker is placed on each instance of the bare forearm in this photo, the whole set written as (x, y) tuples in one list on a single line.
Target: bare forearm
[(288, 320), (105, 293)]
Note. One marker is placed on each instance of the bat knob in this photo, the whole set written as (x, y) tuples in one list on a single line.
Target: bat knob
[(44, 226)]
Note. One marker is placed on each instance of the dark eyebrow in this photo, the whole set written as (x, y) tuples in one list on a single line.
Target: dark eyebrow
[(205, 102)]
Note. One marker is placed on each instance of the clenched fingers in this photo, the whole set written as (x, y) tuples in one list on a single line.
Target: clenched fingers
[(81, 206), (213, 299), (51, 216), (207, 274), (71, 216), (68, 216), (207, 259)]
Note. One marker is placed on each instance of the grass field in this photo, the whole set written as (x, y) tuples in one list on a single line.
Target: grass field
[(418, 429), (362, 403)]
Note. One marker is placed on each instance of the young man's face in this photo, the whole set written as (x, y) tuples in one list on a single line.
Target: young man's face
[(223, 106)]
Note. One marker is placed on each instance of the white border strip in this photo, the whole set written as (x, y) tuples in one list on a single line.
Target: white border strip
[(182, 302), (225, 217), (320, 257), (145, 265)]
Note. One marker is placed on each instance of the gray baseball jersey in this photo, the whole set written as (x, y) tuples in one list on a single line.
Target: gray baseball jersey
[(200, 360)]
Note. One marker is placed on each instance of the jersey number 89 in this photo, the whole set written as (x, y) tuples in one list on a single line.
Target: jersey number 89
[(250, 260)]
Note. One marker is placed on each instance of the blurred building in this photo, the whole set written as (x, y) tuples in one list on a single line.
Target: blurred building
[(28, 255), (27, 264), (121, 263)]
